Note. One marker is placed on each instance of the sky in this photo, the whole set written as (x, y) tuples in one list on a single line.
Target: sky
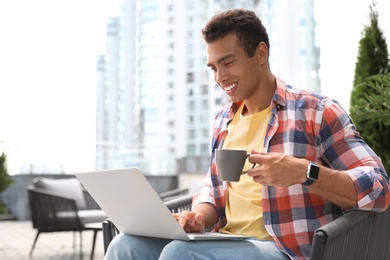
[(48, 51), (340, 27)]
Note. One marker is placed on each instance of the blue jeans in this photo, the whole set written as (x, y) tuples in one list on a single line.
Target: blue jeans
[(146, 248)]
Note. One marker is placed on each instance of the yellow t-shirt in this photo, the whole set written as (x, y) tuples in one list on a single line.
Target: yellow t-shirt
[(244, 211)]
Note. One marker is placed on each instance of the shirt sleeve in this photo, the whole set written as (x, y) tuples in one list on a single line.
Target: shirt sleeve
[(205, 194), (344, 149)]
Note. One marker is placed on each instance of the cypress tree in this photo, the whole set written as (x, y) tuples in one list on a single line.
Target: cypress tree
[(370, 97), (371, 114), (373, 55)]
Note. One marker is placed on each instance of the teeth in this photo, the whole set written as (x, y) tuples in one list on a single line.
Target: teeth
[(230, 87)]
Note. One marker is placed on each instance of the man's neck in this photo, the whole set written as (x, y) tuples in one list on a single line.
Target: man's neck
[(262, 100)]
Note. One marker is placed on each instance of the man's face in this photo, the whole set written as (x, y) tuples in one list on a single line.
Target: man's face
[(236, 73)]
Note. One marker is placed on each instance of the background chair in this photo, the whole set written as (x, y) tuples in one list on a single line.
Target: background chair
[(357, 235), (60, 205), (173, 194)]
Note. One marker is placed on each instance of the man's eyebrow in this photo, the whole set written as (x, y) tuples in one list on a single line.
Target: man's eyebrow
[(220, 60)]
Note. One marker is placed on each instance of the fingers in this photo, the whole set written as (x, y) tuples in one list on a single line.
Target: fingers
[(190, 221), (182, 218), (199, 221), (259, 171)]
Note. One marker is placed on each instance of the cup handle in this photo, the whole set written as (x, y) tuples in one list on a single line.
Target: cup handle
[(253, 165)]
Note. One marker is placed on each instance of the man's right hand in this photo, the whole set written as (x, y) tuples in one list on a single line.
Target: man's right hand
[(191, 222)]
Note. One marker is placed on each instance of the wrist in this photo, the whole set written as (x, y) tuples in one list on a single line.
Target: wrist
[(312, 174)]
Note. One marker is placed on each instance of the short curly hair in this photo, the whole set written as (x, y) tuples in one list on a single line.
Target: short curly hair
[(244, 23)]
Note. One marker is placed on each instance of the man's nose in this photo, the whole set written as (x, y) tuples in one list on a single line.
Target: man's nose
[(220, 76)]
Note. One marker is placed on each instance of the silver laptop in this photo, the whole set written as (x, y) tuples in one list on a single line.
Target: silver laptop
[(135, 208)]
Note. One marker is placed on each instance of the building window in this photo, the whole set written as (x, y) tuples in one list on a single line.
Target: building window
[(204, 149), (191, 105), (190, 63), (205, 89), (191, 149), (205, 104), (190, 77), (190, 20), (190, 120), (191, 134), (205, 133)]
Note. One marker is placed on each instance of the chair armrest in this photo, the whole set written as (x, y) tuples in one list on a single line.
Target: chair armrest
[(179, 204), (109, 232), (52, 212), (172, 194), (355, 235), (90, 203)]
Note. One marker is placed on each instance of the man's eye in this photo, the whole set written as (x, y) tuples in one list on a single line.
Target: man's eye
[(229, 62)]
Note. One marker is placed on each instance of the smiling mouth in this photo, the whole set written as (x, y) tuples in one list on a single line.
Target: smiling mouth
[(230, 87)]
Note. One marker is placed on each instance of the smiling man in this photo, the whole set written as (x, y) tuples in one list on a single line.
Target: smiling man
[(313, 164)]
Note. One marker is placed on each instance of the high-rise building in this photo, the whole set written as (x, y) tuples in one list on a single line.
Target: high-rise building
[(156, 96)]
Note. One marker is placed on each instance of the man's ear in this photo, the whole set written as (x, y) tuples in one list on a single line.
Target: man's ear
[(262, 53)]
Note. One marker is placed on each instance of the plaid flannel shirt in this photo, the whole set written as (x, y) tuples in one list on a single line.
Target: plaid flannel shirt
[(305, 125)]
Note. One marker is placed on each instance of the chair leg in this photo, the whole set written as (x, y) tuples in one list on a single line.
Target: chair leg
[(81, 245), (93, 243), (35, 241), (74, 239)]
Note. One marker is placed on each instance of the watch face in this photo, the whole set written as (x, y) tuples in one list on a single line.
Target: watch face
[(314, 172)]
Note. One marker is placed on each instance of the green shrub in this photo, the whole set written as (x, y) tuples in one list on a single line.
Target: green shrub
[(371, 114), (5, 180)]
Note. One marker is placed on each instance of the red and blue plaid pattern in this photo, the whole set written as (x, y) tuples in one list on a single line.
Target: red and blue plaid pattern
[(305, 125)]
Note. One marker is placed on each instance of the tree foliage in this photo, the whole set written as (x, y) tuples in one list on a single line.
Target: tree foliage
[(5, 179), (373, 54), (370, 97), (371, 114)]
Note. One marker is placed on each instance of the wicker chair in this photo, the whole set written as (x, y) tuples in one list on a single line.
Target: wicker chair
[(60, 205), (357, 235)]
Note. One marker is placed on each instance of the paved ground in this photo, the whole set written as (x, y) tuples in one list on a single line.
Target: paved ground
[(16, 239)]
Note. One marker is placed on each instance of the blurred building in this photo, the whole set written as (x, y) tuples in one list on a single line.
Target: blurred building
[(156, 98)]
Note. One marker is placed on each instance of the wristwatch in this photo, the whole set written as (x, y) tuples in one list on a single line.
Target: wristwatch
[(313, 171)]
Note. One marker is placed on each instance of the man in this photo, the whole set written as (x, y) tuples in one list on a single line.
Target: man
[(313, 165)]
